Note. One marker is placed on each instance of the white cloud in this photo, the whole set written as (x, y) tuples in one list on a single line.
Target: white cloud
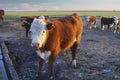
[(32, 7), (27, 7), (60, 6)]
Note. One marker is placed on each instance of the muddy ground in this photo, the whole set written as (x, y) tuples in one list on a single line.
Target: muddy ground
[(98, 55)]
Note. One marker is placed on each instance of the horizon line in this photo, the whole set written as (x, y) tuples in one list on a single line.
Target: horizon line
[(61, 10)]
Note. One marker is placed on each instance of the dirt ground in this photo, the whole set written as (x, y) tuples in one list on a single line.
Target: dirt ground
[(98, 56)]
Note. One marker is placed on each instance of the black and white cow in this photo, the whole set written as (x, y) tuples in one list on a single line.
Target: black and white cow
[(110, 22)]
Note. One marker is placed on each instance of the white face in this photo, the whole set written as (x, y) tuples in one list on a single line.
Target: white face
[(87, 19), (38, 32), (116, 19)]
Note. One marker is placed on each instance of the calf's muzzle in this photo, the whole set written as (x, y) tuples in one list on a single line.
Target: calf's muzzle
[(35, 45)]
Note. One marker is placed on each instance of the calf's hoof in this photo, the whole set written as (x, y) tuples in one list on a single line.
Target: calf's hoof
[(51, 78), (74, 63)]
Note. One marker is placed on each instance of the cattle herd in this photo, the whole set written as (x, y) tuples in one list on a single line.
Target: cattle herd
[(66, 32), (112, 24), (49, 36)]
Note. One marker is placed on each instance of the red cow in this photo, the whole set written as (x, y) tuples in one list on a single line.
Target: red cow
[(51, 36), (91, 20), (1, 14)]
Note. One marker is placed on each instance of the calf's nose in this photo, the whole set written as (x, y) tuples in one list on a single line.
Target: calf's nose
[(35, 45)]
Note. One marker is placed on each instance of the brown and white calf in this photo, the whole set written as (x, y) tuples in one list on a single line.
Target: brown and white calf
[(91, 20), (110, 22), (49, 37)]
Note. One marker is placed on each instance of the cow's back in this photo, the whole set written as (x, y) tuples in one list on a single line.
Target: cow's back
[(106, 21), (66, 31)]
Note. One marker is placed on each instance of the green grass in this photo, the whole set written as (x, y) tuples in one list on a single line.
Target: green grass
[(102, 13), (62, 13), (1, 78)]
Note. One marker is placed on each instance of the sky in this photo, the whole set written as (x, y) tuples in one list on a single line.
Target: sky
[(44, 5)]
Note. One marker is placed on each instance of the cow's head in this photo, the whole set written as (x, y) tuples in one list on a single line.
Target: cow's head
[(116, 19), (27, 22), (38, 31), (87, 19)]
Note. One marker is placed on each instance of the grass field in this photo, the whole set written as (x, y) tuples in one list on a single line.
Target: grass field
[(62, 13), (1, 74)]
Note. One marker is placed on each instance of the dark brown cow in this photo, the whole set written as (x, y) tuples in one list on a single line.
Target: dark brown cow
[(51, 36), (1, 14), (110, 22), (24, 17), (91, 20), (27, 22)]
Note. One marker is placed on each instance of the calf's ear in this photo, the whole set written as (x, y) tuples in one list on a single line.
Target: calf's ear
[(50, 26), (46, 17)]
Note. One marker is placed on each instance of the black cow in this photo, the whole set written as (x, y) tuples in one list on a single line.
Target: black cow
[(110, 22)]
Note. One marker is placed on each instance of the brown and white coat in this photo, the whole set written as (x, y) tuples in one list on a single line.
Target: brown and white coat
[(91, 21), (51, 36)]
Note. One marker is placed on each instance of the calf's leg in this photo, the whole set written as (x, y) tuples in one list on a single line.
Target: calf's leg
[(41, 63), (74, 49), (95, 25), (52, 61), (27, 31)]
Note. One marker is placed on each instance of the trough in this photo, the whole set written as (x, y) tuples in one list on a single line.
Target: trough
[(8, 71)]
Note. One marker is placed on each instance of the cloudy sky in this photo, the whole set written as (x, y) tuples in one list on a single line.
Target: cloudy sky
[(36, 5)]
